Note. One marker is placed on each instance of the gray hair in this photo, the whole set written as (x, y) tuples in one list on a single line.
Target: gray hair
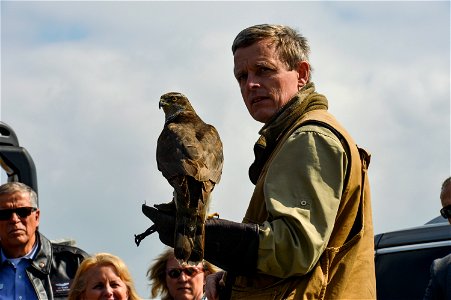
[(291, 45), (14, 187)]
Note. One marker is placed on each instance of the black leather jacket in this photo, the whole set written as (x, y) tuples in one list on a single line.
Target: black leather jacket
[(53, 268)]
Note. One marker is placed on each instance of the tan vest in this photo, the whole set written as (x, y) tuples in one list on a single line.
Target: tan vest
[(345, 270)]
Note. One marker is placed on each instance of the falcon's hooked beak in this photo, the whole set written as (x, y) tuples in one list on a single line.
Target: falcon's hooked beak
[(162, 103)]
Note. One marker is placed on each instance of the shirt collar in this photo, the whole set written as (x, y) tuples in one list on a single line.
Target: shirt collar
[(30, 255)]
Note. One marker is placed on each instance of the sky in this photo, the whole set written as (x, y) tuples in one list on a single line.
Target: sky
[(81, 80)]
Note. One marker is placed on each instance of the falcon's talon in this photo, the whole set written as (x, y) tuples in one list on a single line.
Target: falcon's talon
[(213, 215), (141, 236)]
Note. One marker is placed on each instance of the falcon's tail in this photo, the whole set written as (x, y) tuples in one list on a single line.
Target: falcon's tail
[(190, 228)]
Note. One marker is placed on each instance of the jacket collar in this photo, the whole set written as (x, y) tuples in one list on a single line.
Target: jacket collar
[(43, 259), (307, 99)]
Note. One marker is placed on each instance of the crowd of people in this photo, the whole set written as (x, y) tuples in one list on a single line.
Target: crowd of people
[(307, 232)]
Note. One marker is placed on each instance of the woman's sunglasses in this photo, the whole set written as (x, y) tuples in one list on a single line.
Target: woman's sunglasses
[(23, 212), (190, 271)]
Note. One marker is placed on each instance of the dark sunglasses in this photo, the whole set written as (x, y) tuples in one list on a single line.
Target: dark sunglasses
[(23, 212), (190, 271), (446, 212)]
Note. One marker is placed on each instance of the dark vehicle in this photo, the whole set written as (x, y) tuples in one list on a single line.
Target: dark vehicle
[(19, 166), (15, 160), (403, 259)]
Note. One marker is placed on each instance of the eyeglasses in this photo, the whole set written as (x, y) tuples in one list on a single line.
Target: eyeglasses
[(446, 212), (22, 212), (190, 271)]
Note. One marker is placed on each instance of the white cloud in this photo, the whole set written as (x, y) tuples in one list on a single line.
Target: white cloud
[(82, 98)]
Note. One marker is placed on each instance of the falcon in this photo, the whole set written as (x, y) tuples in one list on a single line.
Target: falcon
[(190, 157)]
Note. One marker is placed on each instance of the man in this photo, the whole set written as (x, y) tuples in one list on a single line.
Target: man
[(307, 232), (439, 286), (31, 267)]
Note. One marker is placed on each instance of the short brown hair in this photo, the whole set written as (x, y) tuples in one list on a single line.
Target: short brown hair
[(291, 45)]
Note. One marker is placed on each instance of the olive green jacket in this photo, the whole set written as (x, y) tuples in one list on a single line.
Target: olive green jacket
[(314, 212)]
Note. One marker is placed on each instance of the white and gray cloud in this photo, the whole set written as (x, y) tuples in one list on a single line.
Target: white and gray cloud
[(81, 83)]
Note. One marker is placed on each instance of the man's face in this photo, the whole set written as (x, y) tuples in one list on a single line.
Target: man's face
[(446, 198), (17, 234), (266, 83)]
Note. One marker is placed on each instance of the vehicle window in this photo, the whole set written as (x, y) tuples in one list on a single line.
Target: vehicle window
[(405, 274)]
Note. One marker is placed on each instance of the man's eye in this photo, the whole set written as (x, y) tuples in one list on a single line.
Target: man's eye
[(265, 69), (241, 77)]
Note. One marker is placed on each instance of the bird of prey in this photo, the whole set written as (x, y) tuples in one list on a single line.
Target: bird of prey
[(190, 157)]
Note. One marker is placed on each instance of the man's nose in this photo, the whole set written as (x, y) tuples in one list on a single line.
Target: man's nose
[(14, 217), (252, 81)]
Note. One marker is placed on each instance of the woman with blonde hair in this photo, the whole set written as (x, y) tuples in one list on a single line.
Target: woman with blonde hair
[(173, 281), (103, 275)]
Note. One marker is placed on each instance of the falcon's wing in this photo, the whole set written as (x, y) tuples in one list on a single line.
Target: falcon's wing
[(183, 149)]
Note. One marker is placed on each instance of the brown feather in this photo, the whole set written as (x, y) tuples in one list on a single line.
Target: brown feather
[(190, 157)]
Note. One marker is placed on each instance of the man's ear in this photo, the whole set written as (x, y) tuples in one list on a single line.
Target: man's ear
[(37, 215), (303, 70)]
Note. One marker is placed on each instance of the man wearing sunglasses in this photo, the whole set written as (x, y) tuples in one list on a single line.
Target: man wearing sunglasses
[(31, 267), (439, 286)]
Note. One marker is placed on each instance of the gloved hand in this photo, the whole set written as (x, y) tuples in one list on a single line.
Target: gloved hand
[(229, 245), (164, 223)]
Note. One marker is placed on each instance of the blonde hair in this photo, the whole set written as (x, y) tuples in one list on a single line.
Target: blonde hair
[(101, 259), (157, 274)]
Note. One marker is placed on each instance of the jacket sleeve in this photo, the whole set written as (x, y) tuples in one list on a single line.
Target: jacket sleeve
[(302, 191), (438, 286), (431, 288)]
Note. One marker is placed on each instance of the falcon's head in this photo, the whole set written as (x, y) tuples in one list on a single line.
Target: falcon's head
[(174, 103)]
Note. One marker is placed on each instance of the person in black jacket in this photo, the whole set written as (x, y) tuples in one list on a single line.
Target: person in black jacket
[(439, 286), (31, 267)]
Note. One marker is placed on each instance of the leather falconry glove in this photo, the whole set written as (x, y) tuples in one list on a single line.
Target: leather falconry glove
[(229, 245)]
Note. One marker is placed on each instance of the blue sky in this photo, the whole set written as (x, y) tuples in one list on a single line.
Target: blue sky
[(80, 83)]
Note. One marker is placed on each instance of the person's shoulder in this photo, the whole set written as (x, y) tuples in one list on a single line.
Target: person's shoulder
[(316, 129), (68, 249), (443, 261), (441, 265)]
